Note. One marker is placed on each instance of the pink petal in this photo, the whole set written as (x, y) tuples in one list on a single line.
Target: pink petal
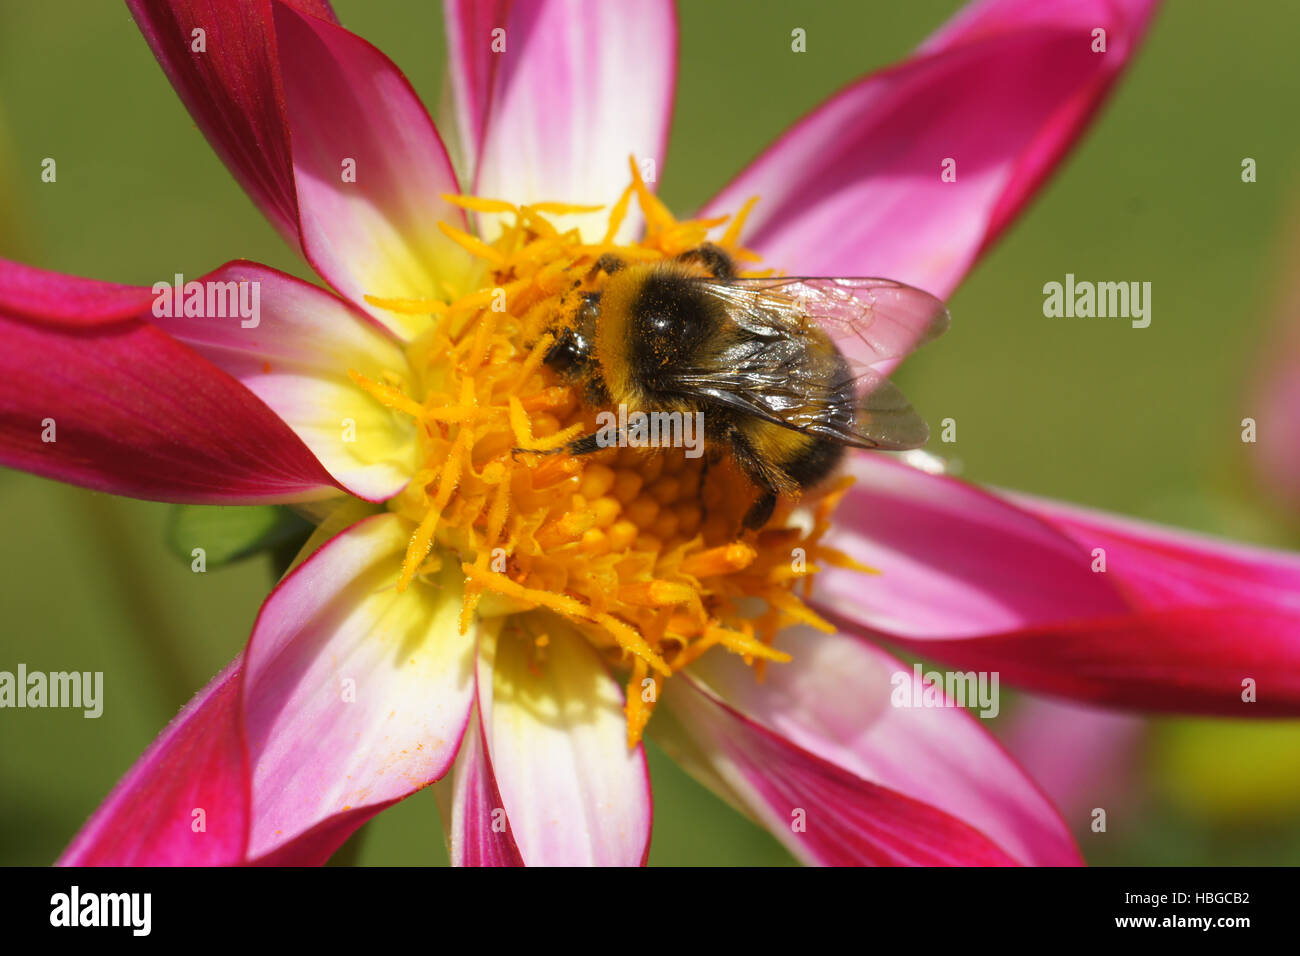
[(1162, 568), (354, 695), (556, 735), (135, 412), (197, 763), (955, 561), (66, 300), (379, 235), (472, 66), (839, 700), (855, 189), (477, 826), (296, 359), (580, 87), (287, 98), (1176, 621), (315, 846), (1209, 614), (1081, 757), (233, 89), (822, 812)]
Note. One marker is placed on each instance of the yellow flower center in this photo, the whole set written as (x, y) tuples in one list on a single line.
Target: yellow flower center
[(628, 544)]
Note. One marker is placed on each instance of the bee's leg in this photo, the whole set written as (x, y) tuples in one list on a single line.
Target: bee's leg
[(761, 510), (579, 446), (713, 258), (711, 457), (589, 443), (608, 263), (761, 475)]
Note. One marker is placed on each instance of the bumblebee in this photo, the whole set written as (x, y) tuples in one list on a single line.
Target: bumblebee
[(781, 368)]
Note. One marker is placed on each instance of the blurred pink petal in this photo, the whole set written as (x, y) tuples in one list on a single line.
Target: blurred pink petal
[(185, 802), (354, 695), (1275, 405), (1273, 396), (836, 700), (580, 87), (1004, 90), (556, 734), (134, 411), (1082, 757)]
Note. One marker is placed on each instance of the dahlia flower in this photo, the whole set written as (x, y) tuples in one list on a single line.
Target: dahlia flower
[(510, 626)]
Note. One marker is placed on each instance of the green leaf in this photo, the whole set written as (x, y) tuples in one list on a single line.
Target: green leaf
[(230, 532)]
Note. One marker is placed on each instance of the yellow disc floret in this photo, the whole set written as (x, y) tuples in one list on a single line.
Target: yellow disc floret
[(630, 545)]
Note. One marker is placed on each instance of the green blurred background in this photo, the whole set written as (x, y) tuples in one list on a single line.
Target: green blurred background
[(1138, 421)]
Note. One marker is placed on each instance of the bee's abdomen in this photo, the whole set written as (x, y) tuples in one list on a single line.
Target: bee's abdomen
[(822, 455), (803, 456), (819, 458)]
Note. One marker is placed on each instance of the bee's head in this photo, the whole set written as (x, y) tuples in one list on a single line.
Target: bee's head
[(571, 351)]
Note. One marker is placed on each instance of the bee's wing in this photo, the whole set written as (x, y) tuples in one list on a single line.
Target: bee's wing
[(768, 372), (885, 418), (882, 418), (871, 320)]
